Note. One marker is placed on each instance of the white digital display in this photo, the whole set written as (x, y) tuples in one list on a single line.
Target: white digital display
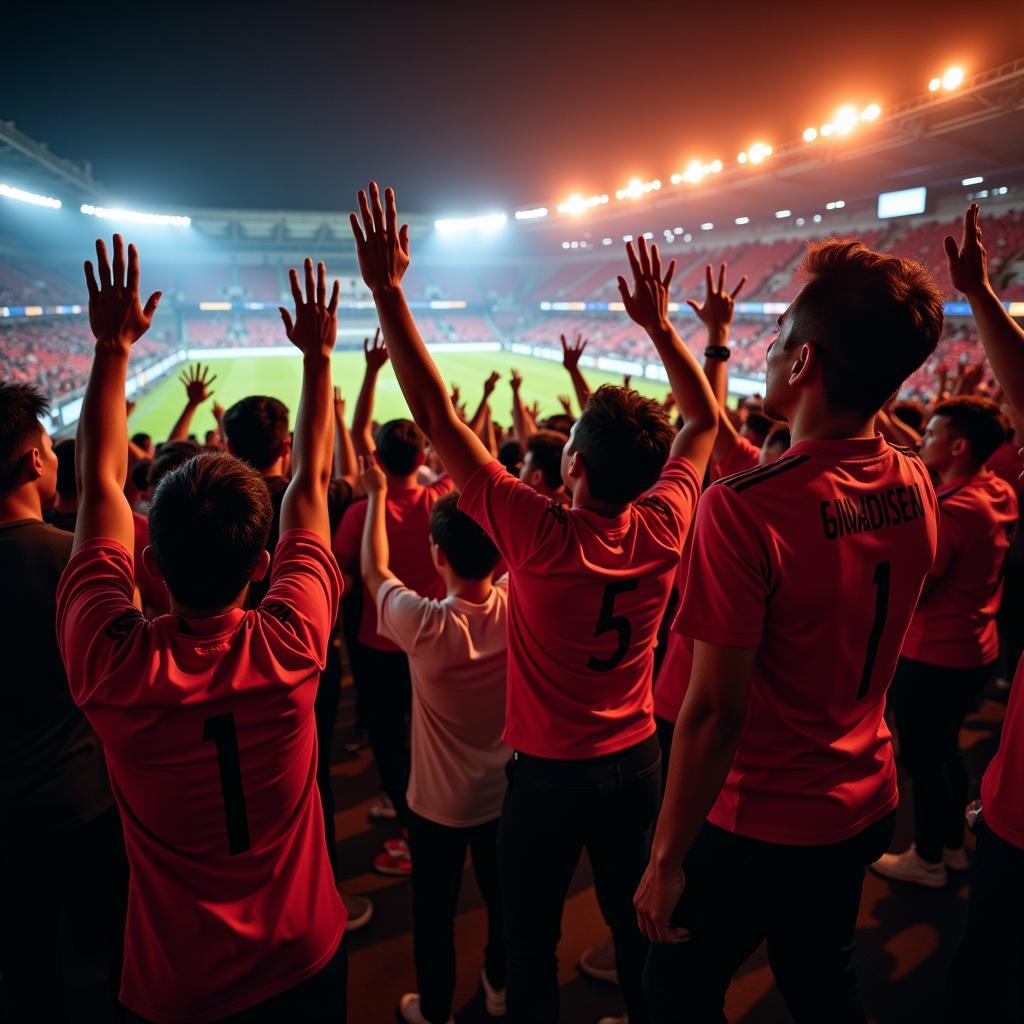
[(904, 203)]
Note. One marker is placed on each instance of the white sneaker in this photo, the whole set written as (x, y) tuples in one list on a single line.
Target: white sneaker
[(955, 860), (908, 867), (409, 1009), (494, 998), (383, 809), (599, 962)]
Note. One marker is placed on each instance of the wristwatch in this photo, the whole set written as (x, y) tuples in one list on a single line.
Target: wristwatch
[(717, 352)]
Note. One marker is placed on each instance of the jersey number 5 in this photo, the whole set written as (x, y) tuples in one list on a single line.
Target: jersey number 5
[(221, 729), (883, 572), (608, 621)]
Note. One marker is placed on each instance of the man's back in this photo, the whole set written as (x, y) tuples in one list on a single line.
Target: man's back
[(211, 742), (818, 561)]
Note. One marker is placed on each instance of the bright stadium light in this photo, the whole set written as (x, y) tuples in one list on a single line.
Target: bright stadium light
[(637, 188), (136, 216), (816, 218), (485, 222), (741, 158), (565, 245), (810, 134), (577, 204), (707, 227), (826, 130), (783, 214), (606, 241), (29, 197), (837, 204), (535, 214), (934, 85), (677, 231), (952, 78), (716, 166), (688, 237), (627, 238), (872, 112), (742, 220), (757, 153), (695, 170), (845, 119), (972, 181)]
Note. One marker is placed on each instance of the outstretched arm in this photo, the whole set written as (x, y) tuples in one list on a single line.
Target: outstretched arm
[(313, 332), (118, 320), (648, 306), (383, 252), (1000, 333), (374, 553), (376, 356), (476, 424), (344, 453), (197, 381), (522, 422), (571, 361)]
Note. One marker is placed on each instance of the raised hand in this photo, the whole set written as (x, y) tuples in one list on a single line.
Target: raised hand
[(456, 395), (218, 411), (371, 476), (315, 327), (571, 352), (197, 381), (970, 379), (515, 378), (339, 404), (648, 303), (376, 352), (381, 246), (491, 383), (563, 401), (627, 380), (534, 411), (115, 313), (967, 263), (716, 313)]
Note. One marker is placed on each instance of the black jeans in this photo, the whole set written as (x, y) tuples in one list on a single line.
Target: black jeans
[(553, 810), (666, 730), (438, 859), (741, 891), (321, 999), (387, 701), (325, 709), (986, 982), (81, 873), (930, 704)]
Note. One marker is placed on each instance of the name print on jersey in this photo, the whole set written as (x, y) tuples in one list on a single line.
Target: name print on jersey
[(844, 517)]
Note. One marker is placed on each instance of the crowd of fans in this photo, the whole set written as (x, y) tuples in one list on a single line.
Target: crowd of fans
[(662, 632)]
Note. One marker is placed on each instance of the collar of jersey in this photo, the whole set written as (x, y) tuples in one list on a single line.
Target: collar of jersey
[(209, 625), (960, 481), (843, 448)]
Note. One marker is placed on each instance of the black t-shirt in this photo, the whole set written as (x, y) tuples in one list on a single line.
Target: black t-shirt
[(52, 772), (62, 520)]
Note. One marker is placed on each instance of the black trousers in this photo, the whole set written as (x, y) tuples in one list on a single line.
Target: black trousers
[(386, 705), (666, 730), (81, 873), (986, 980), (321, 999), (741, 891), (325, 709), (553, 811), (930, 704), (438, 860)]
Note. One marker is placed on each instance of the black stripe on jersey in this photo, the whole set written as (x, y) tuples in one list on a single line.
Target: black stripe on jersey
[(728, 480), (906, 450), (949, 494), (775, 469)]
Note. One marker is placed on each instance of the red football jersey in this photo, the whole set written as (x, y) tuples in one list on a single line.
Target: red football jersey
[(1003, 781), (586, 596), (817, 560), (674, 672), (743, 456), (955, 623), (211, 746), (408, 527), (1006, 463)]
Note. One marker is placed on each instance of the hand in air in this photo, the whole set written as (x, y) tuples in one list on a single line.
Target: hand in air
[(371, 476), (648, 303), (491, 383), (315, 327), (571, 352), (381, 246), (563, 401), (218, 411), (967, 263), (515, 378), (656, 899), (115, 313), (718, 303), (339, 403), (376, 351), (197, 381)]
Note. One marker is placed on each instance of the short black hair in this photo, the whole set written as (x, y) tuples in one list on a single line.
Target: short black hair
[(560, 423), (758, 427), (470, 551), (208, 524), (624, 440), (171, 455), (142, 440), (546, 448), (65, 451), (21, 406), (400, 447), (256, 429), (510, 455), (139, 474), (872, 319), (979, 421), (911, 412)]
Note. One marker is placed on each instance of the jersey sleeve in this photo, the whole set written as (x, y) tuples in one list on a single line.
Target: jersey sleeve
[(742, 456), (673, 498), (305, 589), (403, 616), (443, 485), (950, 541), (348, 537), (729, 576), (95, 614), (517, 518)]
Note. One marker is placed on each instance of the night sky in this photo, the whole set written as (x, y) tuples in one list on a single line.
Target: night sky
[(462, 107)]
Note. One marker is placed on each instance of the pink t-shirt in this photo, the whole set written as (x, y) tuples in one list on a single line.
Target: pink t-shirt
[(458, 653)]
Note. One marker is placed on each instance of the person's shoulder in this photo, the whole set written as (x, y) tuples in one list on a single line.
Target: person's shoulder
[(761, 479), (41, 537)]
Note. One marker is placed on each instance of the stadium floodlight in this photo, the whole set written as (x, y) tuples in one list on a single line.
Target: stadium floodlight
[(972, 181), (826, 130), (708, 226), (810, 134), (716, 166), (845, 119), (783, 214), (136, 216), (688, 237), (30, 197), (565, 245), (872, 112), (485, 222), (535, 214), (757, 153), (817, 218), (952, 78), (741, 158), (648, 234), (677, 231), (577, 204), (742, 220), (800, 222), (606, 241), (627, 238), (836, 204), (637, 188), (934, 85)]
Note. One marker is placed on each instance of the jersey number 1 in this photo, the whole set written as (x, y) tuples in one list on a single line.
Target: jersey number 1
[(221, 729), (608, 621), (881, 581)]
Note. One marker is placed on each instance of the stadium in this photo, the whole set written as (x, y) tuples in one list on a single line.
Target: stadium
[(500, 288)]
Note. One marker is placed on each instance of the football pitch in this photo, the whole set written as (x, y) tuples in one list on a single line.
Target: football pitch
[(281, 377)]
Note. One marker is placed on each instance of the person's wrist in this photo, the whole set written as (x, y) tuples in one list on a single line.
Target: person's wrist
[(718, 334), (114, 345), (982, 291), (387, 289)]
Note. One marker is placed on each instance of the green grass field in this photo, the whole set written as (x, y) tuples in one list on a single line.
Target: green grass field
[(281, 377)]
